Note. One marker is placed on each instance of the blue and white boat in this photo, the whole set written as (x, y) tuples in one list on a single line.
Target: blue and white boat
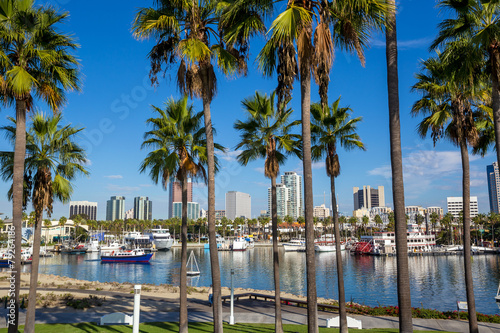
[(126, 256)]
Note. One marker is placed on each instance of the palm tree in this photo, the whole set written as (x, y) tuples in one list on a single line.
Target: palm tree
[(403, 277), (62, 223), (449, 84), (331, 126), (493, 218), (353, 220), (342, 221), (479, 21), (365, 220), (378, 221), (47, 223), (53, 160), (419, 219), (447, 222), (35, 64), (266, 134), (191, 33), (178, 145), (351, 22), (434, 220)]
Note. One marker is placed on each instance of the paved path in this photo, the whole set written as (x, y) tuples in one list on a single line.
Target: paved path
[(245, 311)]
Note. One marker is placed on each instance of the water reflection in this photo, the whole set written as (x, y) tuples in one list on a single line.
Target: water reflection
[(436, 282)]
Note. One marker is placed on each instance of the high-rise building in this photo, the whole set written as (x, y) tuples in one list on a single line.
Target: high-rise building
[(175, 195), (282, 200), (321, 212), (115, 208), (288, 196), (293, 181), (455, 206), (493, 187), (143, 209), (368, 197), (193, 210), (238, 204), (83, 208)]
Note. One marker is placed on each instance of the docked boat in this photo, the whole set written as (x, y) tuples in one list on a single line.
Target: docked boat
[(138, 240), (93, 246), (126, 256), (6, 259), (239, 244), (114, 246), (192, 266), (162, 239), (382, 243), (327, 247), (44, 253), (295, 245), (77, 249), (250, 242)]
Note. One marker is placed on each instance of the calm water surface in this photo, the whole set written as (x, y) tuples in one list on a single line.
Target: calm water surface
[(436, 282)]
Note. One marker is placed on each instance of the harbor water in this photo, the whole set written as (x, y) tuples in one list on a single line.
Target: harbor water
[(436, 282)]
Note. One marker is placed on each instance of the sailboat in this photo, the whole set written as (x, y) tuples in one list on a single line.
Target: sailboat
[(497, 297), (192, 266)]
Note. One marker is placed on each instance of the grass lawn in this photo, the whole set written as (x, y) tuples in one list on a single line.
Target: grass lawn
[(193, 328)]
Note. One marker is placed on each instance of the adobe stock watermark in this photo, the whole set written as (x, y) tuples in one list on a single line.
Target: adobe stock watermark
[(121, 108), (11, 251)]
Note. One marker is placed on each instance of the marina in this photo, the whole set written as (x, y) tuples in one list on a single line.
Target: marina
[(437, 282)]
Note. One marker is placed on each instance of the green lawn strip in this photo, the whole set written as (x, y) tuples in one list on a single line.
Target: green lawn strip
[(193, 328)]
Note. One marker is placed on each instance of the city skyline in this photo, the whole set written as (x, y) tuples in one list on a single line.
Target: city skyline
[(116, 100)]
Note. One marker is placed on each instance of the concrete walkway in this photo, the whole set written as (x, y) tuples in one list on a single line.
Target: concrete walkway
[(245, 311)]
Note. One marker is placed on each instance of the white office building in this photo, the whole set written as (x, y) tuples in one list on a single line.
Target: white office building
[(282, 199), (455, 206), (238, 204), (83, 208)]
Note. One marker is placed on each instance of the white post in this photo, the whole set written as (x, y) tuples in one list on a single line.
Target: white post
[(231, 316), (137, 308)]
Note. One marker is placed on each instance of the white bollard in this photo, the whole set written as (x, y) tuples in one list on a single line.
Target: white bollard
[(137, 308), (231, 316)]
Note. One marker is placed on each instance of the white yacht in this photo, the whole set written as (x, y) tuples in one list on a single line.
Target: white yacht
[(239, 244), (295, 245), (135, 239), (114, 246), (92, 246), (161, 238)]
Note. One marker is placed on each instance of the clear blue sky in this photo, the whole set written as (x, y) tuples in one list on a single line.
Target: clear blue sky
[(116, 98)]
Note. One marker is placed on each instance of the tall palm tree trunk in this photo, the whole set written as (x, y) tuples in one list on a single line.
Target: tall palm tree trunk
[(183, 314), (403, 278), (17, 208), (30, 314), (469, 287), (305, 96), (214, 255), (495, 98), (338, 257), (276, 259)]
